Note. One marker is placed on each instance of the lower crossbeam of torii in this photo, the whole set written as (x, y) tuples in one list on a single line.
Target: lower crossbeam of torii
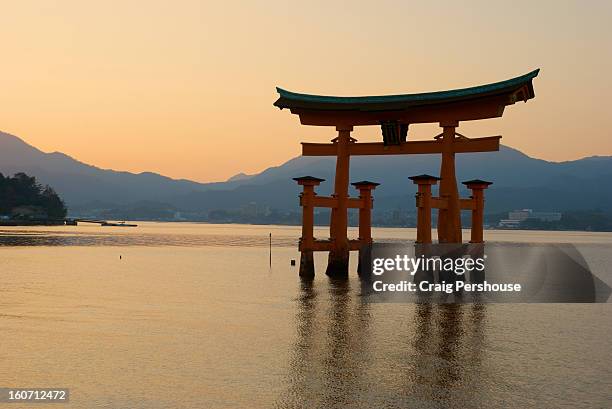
[(394, 114)]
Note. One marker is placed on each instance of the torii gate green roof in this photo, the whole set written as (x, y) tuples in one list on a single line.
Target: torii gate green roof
[(293, 100)]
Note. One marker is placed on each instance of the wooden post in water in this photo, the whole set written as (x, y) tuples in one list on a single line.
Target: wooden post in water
[(365, 210), (477, 187), (423, 203), (365, 224), (270, 249), (307, 198)]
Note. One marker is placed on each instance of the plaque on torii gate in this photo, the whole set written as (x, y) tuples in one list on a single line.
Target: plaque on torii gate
[(394, 114)]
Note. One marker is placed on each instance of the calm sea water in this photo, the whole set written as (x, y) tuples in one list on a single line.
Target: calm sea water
[(170, 315)]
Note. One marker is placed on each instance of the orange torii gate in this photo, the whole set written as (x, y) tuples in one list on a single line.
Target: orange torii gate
[(394, 114)]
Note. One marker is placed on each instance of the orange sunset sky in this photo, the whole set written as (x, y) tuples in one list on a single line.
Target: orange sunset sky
[(185, 88)]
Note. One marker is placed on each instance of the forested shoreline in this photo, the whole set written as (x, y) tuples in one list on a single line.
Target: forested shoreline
[(23, 198)]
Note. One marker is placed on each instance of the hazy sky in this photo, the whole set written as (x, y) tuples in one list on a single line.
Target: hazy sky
[(185, 88)]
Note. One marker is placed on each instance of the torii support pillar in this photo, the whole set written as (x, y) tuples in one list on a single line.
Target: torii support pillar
[(423, 203), (307, 269), (338, 261), (477, 187), (365, 222)]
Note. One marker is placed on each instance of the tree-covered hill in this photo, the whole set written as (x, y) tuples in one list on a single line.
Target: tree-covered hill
[(22, 197)]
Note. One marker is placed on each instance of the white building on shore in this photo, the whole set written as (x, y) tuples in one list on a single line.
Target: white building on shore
[(516, 217)]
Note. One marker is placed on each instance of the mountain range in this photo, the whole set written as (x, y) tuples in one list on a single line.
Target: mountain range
[(520, 181)]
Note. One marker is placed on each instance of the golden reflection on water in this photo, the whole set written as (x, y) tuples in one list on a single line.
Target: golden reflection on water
[(433, 360), (192, 316)]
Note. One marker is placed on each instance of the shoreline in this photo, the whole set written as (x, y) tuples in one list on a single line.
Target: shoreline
[(12, 223), (23, 223)]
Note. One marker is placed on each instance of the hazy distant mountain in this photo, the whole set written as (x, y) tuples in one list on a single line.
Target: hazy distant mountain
[(519, 181), (79, 183), (239, 177)]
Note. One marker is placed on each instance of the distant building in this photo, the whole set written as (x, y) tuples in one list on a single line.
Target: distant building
[(509, 223), (519, 215), (516, 217), (546, 216), (178, 216)]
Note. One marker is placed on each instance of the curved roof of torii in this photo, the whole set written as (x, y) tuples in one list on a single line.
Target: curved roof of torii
[(365, 110)]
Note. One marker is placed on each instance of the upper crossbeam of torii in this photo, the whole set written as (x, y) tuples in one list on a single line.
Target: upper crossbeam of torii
[(394, 114)]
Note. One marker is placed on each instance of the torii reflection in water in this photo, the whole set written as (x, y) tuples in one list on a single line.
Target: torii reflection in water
[(349, 352)]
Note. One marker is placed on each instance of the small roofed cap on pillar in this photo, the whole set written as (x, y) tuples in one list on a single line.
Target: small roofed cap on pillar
[(365, 184), (477, 183), (424, 179), (308, 180)]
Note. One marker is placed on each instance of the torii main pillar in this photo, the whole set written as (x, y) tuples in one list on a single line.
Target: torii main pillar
[(338, 260), (449, 219)]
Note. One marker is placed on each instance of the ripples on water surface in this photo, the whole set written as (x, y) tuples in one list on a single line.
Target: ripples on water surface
[(192, 316)]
